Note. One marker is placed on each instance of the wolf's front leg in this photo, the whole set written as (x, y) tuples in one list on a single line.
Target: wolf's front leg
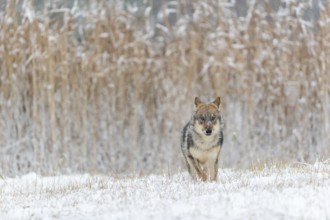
[(212, 170), (195, 169)]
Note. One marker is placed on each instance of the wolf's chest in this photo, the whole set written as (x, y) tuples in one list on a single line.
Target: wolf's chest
[(205, 155)]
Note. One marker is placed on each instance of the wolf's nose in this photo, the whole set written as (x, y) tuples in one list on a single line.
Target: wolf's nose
[(208, 131)]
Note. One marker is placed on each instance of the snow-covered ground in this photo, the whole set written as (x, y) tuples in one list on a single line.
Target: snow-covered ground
[(291, 192)]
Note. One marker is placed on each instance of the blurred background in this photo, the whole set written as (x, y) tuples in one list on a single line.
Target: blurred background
[(107, 86)]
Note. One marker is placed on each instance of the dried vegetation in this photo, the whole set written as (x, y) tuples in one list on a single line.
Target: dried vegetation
[(107, 88)]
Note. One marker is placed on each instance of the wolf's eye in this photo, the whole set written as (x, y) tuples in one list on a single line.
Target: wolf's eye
[(213, 118), (201, 119)]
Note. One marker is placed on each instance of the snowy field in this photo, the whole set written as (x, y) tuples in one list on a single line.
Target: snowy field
[(299, 191)]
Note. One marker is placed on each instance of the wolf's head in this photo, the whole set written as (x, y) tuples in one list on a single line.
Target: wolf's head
[(207, 117)]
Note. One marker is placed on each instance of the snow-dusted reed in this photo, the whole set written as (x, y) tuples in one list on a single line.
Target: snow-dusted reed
[(104, 88), (296, 192)]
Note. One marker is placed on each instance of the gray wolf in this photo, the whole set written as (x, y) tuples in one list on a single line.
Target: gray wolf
[(202, 139)]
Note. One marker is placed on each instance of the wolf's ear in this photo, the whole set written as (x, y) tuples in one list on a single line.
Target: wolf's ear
[(197, 102), (217, 101)]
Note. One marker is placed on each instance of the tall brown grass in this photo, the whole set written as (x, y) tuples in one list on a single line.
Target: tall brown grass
[(105, 90)]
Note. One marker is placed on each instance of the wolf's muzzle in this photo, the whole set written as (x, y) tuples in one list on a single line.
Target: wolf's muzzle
[(208, 131)]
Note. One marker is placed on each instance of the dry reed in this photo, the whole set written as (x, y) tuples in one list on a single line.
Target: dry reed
[(103, 89)]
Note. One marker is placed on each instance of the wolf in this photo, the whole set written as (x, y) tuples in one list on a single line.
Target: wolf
[(202, 139)]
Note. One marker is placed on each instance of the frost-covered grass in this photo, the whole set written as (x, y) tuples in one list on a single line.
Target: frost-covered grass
[(288, 192), (105, 88)]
